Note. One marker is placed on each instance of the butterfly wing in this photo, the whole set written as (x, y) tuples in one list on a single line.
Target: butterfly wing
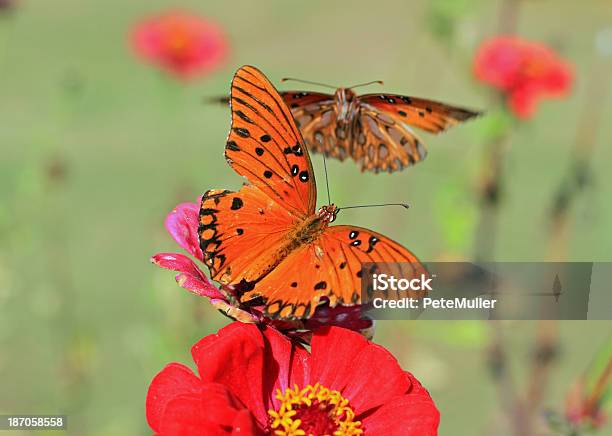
[(431, 116), (384, 134), (265, 145), (330, 267), (238, 232), (316, 114), (242, 233)]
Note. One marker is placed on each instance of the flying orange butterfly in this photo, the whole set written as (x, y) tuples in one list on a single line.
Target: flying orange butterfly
[(267, 242), (373, 129)]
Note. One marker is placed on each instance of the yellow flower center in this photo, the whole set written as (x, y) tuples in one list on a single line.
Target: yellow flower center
[(313, 411)]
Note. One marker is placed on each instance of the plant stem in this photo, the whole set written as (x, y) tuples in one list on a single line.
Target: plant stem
[(577, 175)]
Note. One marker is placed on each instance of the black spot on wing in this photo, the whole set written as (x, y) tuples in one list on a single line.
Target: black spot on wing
[(237, 203), (231, 145), (243, 116), (242, 132), (320, 285)]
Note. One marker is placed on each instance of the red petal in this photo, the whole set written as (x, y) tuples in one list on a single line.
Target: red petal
[(190, 277), (213, 411), (286, 364), (182, 224), (367, 389), (172, 381), (408, 415), (244, 425), (498, 61), (182, 43), (333, 352), (234, 357), (523, 103)]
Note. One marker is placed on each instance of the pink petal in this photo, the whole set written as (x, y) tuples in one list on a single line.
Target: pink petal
[(190, 277), (182, 224)]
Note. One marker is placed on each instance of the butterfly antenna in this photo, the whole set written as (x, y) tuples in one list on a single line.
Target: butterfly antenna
[(216, 99), (326, 179), (404, 205), (380, 82), (308, 82)]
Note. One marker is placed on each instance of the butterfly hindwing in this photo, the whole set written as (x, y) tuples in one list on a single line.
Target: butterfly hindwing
[(265, 146), (239, 232), (316, 116), (389, 143), (330, 267), (384, 143)]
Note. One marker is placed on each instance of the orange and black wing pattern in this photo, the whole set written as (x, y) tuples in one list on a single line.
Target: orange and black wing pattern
[(242, 234), (265, 145), (385, 138), (330, 268)]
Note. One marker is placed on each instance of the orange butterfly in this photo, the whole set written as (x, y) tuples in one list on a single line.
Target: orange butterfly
[(373, 129), (267, 242)]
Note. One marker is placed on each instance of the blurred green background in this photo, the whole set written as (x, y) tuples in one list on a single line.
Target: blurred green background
[(96, 148)]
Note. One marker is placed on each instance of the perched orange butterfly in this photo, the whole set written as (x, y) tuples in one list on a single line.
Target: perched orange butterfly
[(373, 129), (267, 241)]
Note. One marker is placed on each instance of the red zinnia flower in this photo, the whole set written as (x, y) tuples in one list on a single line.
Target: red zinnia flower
[(522, 70), (254, 382), (182, 224), (183, 44)]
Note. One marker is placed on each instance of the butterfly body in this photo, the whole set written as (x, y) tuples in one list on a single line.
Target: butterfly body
[(267, 241)]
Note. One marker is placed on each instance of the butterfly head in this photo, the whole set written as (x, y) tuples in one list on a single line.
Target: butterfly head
[(345, 104), (328, 213)]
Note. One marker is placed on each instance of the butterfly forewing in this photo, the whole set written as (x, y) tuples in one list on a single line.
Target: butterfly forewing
[(266, 147), (431, 116)]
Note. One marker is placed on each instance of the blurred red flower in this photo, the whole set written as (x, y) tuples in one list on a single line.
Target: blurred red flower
[(258, 382), (7, 4), (183, 44), (182, 224), (523, 71)]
